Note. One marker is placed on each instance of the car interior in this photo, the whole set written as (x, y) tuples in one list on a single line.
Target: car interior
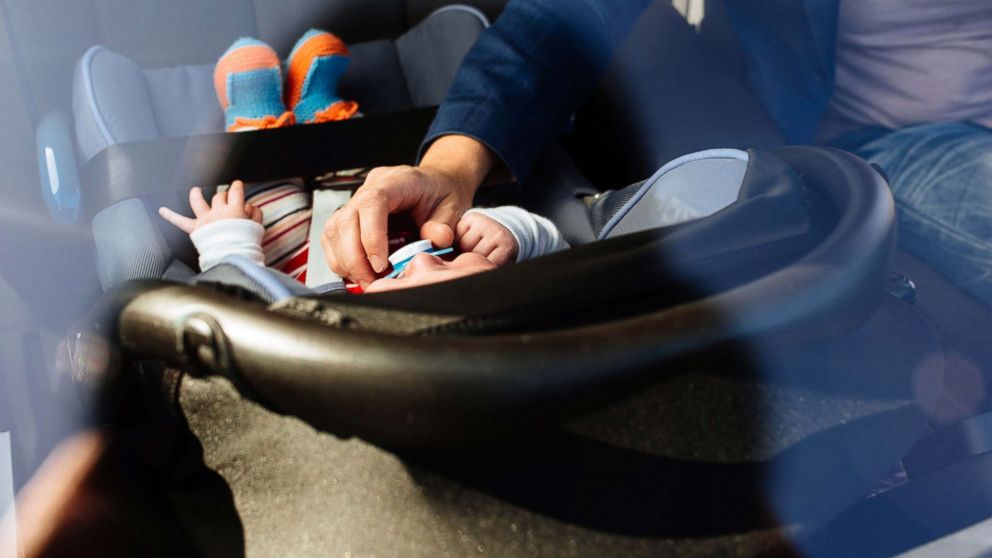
[(780, 377)]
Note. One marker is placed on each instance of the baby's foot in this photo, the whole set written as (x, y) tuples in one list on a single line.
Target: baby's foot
[(248, 80), (315, 65)]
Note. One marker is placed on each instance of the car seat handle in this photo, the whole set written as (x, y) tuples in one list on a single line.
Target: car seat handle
[(404, 390)]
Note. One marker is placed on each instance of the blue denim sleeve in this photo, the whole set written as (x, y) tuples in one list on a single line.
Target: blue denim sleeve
[(519, 85)]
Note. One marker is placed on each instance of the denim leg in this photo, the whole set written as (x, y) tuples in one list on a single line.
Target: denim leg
[(941, 178)]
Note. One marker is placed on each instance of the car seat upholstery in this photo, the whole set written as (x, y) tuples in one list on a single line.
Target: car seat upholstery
[(51, 35), (116, 101)]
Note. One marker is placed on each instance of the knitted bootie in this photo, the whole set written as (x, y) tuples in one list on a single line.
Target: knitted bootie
[(248, 80), (315, 65)]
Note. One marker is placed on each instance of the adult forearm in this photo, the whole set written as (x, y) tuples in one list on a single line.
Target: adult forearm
[(519, 85), (467, 161)]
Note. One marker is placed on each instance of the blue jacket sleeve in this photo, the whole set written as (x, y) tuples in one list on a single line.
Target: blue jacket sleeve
[(519, 85)]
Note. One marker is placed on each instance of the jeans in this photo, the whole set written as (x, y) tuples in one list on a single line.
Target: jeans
[(941, 178)]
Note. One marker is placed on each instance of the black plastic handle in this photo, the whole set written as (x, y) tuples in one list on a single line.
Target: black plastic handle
[(435, 391)]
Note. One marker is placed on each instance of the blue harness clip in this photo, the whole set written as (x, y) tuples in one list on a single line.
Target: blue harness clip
[(402, 257)]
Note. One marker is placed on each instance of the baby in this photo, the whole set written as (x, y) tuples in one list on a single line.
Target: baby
[(230, 226), (257, 91)]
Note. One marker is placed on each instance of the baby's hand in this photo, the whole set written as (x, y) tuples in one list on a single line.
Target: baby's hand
[(482, 235), (225, 205)]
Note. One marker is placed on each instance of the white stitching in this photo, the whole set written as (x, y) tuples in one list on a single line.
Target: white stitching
[(91, 94), (462, 8)]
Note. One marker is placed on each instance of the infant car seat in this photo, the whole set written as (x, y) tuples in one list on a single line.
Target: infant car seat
[(513, 350), (801, 253), (118, 103), (767, 259)]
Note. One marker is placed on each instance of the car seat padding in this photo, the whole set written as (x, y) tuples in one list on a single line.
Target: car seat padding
[(116, 101), (141, 252)]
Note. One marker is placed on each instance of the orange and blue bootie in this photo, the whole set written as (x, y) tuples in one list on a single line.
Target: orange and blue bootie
[(248, 80), (314, 68)]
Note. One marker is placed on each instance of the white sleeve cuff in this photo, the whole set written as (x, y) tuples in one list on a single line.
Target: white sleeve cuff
[(535, 235), (215, 241)]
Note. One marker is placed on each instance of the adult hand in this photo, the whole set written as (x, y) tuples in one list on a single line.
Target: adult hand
[(436, 193)]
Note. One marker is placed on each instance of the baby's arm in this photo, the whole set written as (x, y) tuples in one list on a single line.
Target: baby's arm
[(227, 226), (508, 233)]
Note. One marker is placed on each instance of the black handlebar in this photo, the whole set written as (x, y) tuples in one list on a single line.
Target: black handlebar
[(442, 390)]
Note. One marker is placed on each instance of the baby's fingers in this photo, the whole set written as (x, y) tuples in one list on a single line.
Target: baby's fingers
[(197, 202), (182, 222), (220, 198), (236, 193), (468, 237), (502, 255), (254, 213)]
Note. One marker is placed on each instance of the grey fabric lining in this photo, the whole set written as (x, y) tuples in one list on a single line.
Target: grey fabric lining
[(122, 97), (128, 244), (281, 22), (89, 96), (229, 274), (184, 100), (431, 52), (115, 101), (163, 34), (690, 187), (111, 102), (178, 272), (607, 205), (375, 78)]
